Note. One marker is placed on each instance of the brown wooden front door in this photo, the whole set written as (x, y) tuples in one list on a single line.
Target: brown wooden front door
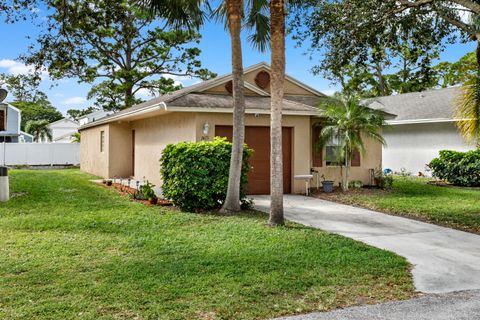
[(258, 139)]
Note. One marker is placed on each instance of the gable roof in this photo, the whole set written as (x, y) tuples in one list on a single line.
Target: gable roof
[(194, 99), (418, 107), (63, 120)]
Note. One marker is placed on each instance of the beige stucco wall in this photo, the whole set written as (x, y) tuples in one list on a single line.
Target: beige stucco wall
[(92, 160), (371, 159), (151, 137), (300, 142), (120, 150), (115, 160)]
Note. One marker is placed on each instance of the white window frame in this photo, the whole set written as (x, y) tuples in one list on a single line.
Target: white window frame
[(102, 141), (334, 142)]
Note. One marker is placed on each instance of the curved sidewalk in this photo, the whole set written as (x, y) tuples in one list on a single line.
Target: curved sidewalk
[(443, 259)]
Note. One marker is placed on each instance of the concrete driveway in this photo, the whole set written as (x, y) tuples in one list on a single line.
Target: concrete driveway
[(464, 305), (443, 259)]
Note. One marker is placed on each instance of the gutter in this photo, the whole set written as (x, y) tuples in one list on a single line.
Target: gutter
[(419, 121), (109, 119)]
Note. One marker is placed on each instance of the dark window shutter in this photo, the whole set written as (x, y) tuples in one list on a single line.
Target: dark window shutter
[(317, 157), (2, 120), (356, 158)]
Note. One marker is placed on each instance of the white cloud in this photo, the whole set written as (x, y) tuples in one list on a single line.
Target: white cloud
[(75, 100), (179, 80), (16, 68), (145, 93), (329, 92)]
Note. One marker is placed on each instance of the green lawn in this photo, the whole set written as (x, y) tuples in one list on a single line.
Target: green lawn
[(70, 249), (413, 197)]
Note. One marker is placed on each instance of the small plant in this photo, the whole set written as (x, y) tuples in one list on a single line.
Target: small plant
[(356, 184), (148, 193), (382, 180), (404, 172)]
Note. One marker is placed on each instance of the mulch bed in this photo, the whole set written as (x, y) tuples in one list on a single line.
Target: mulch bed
[(338, 194), (129, 192)]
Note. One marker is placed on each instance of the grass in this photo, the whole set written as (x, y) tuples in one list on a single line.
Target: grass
[(70, 249), (414, 198)]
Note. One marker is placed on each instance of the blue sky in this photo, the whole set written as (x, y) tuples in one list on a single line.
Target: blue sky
[(215, 46)]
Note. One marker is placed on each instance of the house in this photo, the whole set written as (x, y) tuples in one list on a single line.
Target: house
[(10, 118), (422, 126), (63, 129), (93, 116), (129, 143)]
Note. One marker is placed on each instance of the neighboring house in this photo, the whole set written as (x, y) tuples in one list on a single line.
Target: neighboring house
[(423, 126), (93, 116), (10, 118), (63, 129), (129, 143)]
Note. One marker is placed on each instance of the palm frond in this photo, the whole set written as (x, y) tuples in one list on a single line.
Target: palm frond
[(467, 110), (179, 13)]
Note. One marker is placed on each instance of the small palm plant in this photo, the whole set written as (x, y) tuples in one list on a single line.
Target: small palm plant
[(76, 137), (39, 130), (348, 123)]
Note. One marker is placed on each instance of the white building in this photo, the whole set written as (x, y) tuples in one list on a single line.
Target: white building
[(63, 129), (93, 116), (422, 126), (10, 118)]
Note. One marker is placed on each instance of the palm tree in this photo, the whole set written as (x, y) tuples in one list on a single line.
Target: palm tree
[(277, 47), (467, 110), (348, 123), (76, 137), (467, 102), (191, 13), (39, 129)]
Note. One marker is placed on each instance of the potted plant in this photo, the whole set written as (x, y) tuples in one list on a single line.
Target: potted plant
[(148, 192), (327, 185)]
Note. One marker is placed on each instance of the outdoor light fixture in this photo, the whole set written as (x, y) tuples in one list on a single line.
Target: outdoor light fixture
[(206, 128)]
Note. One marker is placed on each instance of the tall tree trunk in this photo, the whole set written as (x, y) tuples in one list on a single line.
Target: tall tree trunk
[(234, 16), (381, 79), (277, 47), (347, 171)]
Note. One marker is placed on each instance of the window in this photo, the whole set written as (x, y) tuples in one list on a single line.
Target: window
[(102, 141), (2, 120), (333, 153)]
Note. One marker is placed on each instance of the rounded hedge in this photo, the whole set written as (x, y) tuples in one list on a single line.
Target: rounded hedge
[(195, 174), (458, 168)]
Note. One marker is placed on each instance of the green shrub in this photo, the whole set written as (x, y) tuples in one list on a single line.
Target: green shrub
[(195, 174), (458, 168), (383, 180)]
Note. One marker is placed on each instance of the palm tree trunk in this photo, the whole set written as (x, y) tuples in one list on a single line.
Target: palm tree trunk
[(234, 16), (347, 171), (277, 47)]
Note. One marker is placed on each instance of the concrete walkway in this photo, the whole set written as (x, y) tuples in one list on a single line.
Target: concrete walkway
[(443, 259), (463, 305)]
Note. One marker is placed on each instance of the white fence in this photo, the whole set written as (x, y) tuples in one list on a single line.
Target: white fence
[(39, 154)]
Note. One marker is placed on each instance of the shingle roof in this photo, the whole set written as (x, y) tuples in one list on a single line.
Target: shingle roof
[(191, 97), (222, 101), (427, 105)]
